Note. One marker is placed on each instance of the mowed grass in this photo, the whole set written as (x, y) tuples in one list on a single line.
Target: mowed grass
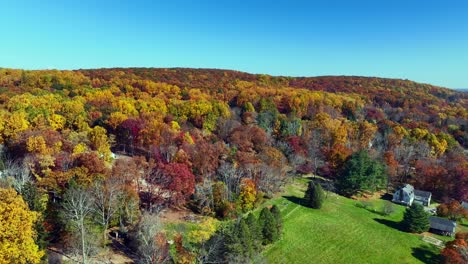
[(341, 232)]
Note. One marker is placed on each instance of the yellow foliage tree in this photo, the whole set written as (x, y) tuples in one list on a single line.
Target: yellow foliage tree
[(17, 122), (37, 144), (247, 195), (366, 133), (175, 125), (3, 115), (57, 122), (126, 106), (116, 118), (188, 138), (80, 148), (203, 231), (16, 230), (100, 142)]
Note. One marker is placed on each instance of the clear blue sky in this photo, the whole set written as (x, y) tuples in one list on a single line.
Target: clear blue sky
[(421, 40)]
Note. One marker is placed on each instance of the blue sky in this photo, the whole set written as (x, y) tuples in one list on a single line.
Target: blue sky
[(421, 40)]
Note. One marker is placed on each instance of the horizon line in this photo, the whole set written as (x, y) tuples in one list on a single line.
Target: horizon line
[(233, 70)]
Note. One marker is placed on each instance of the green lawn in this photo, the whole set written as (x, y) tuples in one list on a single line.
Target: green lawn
[(341, 232)]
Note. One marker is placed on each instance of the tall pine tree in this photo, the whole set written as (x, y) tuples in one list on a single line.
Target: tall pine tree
[(232, 241), (415, 219), (275, 211), (314, 195), (245, 238), (255, 231), (269, 226)]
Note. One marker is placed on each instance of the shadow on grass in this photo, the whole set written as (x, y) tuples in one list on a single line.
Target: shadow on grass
[(387, 197), (369, 209), (375, 212), (426, 254), (123, 249), (391, 224), (294, 199)]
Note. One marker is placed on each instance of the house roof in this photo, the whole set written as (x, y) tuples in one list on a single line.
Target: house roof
[(442, 224), (465, 205), (422, 194), (408, 188)]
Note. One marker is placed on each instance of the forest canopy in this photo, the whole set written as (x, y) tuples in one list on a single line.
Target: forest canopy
[(217, 141)]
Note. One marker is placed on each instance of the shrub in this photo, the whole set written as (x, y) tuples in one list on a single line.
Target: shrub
[(314, 195), (388, 208)]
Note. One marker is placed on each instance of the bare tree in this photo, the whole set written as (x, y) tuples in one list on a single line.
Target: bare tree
[(77, 208), (269, 179), (406, 153), (226, 126), (204, 195), (231, 176), (152, 246), (314, 150), (106, 196), (18, 172)]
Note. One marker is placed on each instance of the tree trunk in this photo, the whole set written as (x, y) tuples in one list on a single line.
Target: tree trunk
[(104, 234), (104, 225), (83, 248)]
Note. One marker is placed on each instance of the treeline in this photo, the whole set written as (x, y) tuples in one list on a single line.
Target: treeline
[(217, 142)]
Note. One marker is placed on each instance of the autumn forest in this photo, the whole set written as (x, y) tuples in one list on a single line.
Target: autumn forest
[(88, 155)]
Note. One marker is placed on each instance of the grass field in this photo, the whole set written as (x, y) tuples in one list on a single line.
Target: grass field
[(341, 232)]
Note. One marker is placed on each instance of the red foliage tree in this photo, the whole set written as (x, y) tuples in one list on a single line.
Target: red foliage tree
[(453, 210), (248, 138), (432, 176), (128, 133), (92, 162), (455, 252), (336, 157), (175, 182), (204, 157), (298, 145)]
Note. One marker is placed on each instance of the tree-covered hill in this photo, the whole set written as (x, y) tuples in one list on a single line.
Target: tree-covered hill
[(216, 141)]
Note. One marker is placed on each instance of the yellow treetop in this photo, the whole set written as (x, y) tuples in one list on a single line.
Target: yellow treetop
[(16, 230)]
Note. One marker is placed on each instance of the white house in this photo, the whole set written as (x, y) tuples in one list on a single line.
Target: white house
[(407, 195), (404, 195)]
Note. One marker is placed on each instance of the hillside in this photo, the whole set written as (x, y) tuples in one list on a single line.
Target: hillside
[(130, 142), (371, 87), (390, 112), (344, 232)]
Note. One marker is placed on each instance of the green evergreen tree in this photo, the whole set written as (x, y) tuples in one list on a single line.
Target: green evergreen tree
[(314, 195), (269, 226), (415, 219), (360, 173), (255, 231), (233, 243), (275, 211), (245, 238)]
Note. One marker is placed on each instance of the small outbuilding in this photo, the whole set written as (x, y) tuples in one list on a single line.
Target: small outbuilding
[(442, 226)]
